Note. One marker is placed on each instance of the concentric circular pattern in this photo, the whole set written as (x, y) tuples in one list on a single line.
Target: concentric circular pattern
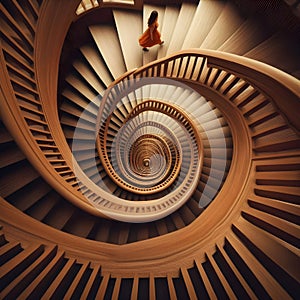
[(150, 159), (158, 148), (152, 148), (136, 148), (147, 158)]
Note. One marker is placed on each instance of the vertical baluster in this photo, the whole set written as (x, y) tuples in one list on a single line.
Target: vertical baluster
[(152, 287), (36, 286), (221, 277), (58, 280), (236, 272), (116, 291), (103, 287), (188, 283), (76, 280), (206, 281), (171, 287), (135, 288)]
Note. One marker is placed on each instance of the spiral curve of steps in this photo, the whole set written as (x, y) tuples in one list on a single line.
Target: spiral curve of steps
[(73, 227)]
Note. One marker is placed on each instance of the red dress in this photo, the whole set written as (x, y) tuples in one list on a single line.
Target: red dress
[(145, 39)]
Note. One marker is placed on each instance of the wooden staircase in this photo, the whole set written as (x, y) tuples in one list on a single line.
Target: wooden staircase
[(227, 241)]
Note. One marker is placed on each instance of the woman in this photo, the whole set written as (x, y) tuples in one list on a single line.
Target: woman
[(151, 36)]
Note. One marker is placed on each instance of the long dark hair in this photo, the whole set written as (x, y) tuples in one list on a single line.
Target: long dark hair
[(153, 17)]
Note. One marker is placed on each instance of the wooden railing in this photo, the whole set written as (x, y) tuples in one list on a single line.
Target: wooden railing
[(29, 79), (23, 110), (214, 69), (256, 226), (55, 159)]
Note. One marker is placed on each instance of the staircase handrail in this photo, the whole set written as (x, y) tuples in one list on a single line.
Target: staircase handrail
[(277, 84)]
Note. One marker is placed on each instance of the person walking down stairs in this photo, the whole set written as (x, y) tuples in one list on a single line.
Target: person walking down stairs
[(151, 36)]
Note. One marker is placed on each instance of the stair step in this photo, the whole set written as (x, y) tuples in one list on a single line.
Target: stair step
[(106, 39), (59, 215), (89, 75), (80, 224), (11, 181), (281, 140), (42, 207), (247, 37), (94, 59), (5, 136), (129, 42), (10, 153), (72, 122), (167, 29), (182, 26), (225, 25), (205, 17), (272, 51), (81, 86), (29, 195)]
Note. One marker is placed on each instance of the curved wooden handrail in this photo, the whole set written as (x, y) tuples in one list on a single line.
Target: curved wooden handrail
[(240, 227), (278, 85), (37, 133), (182, 66)]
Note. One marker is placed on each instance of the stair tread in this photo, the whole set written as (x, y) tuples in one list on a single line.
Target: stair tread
[(225, 25), (89, 76), (129, 42), (107, 41), (182, 26), (167, 28), (205, 17), (96, 62)]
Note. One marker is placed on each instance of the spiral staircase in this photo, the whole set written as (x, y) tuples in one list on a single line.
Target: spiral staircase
[(168, 174)]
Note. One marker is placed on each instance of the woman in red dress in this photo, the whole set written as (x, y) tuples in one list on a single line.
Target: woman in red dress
[(151, 36)]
